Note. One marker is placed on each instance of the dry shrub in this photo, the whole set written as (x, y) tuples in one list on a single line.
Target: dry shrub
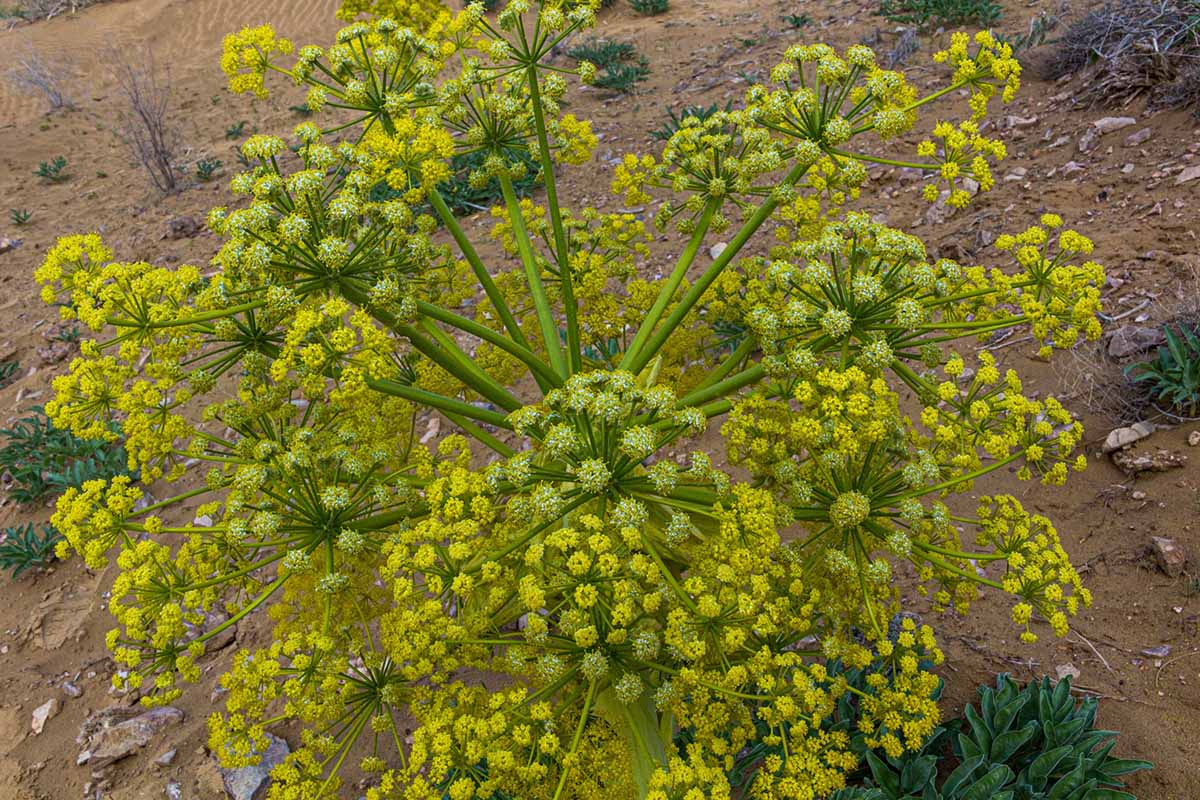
[(34, 74), (1136, 48), (145, 121), (45, 9)]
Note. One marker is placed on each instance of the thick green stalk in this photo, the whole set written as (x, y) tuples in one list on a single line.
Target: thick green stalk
[(440, 402), (481, 274), (495, 392), (668, 291), (574, 353), (538, 367), (724, 387), (697, 290), (533, 278)]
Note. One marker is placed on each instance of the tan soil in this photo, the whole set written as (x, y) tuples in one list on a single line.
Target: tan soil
[(1143, 223)]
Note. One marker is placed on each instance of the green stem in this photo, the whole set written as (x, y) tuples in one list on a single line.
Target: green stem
[(518, 351), (533, 278), (440, 402), (668, 290), (583, 718)]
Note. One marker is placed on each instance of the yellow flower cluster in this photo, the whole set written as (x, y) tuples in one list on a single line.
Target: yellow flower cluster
[(476, 490)]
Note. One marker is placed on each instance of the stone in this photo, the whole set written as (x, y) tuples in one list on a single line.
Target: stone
[(213, 619), (115, 732), (174, 790), (1111, 124), (1066, 671), (250, 783), (165, 758), (7, 244), (1129, 340), (1194, 438), (715, 251), (1140, 137), (1169, 555), (42, 713), (182, 227), (71, 690), (1013, 121), (1188, 175), (1132, 463), (1119, 438), (1072, 168)]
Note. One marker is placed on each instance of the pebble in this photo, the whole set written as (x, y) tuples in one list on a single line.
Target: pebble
[(165, 758), (1169, 555), (1194, 439), (1140, 137), (1111, 124), (245, 783), (1188, 175), (715, 251), (1123, 437), (174, 790), (42, 713)]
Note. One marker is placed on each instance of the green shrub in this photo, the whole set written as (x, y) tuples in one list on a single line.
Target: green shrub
[(649, 7), (235, 130), (1173, 377), (206, 168), (19, 216), (674, 122), (932, 13), (619, 66), (43, 459), (25, 547), (53, 170)]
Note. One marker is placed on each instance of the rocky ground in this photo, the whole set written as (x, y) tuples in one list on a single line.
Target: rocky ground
[(1125, 176)]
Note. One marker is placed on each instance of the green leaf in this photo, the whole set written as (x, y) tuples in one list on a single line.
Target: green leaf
[(883, 775), (1124, 766), (917, 774), (1042, 767), (982, 736), (1006, 744), (989, 784), (1107, 794), (961, 775)]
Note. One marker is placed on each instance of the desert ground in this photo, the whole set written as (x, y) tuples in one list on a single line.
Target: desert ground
[(1132, 185)]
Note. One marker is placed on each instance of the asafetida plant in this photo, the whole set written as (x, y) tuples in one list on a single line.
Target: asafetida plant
[(567, 595)]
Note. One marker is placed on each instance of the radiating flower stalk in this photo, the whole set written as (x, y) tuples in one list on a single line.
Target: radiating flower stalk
[(570, 594)]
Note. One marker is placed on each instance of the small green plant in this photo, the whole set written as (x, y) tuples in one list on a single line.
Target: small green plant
[(1173, 378), (206, 168), (234, 131), (69, 335), (8, 371), (1035, 743), (674, 122), (43, 459), (619, 66), (932, 13), (302, 110), (20, 216), (797, 21), (1039, 28), (649, 7), (25, 547), (53, 170)]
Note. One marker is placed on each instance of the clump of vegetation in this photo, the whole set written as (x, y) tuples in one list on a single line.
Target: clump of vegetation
[(1035, 36), (609, 64), (53, 170), (34, 73), (470, 188), (206, 168), (1136, 47), (1172, 379), (8, 371), (1031, 743), (27, 547), (675, 121), (235, 130), (147, 123), (564, 578), (20, 216), (42, 459), (926, 14), (797, 21), (649, 7)]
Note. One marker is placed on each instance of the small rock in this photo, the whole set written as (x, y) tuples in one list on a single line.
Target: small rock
[(1017, 174), (250, 783), (1129, 340), (1014, 121), (118, 731), (1188, 175), (1123, 437), (7, 244), (174, 790), (1127, 169), (71, 690), (1132, 463), (165, 758), (1072, 168), (43, 713), (715, 251), (1138, 495), (214, 619), (1140, 137), (1066, 670), (203, 521), (1088, 140), (1158, 651), (182, 227), (1169, 555), (1111, 124), (1194, 438)]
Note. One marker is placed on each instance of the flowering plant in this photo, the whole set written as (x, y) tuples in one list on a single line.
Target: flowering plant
[(575, 593)]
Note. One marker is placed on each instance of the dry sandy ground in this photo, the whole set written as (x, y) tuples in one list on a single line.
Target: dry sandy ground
[(1125, 196)]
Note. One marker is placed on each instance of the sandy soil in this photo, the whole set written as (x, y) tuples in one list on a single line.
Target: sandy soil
[(1125, 196)]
